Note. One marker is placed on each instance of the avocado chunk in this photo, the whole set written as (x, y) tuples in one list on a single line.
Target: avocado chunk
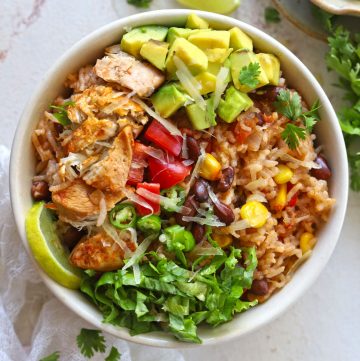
[(191, 55), (235, 102), (132, 41), (207, 82), (239, 40), (214, 68), (202, 118), (240, 59), (210, 39), (155, 52), (175, 33), (168, 99), (196, 22), (271, 65), (217, 55)]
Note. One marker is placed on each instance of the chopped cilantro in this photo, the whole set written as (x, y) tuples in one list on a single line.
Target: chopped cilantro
[(89, 341), (140, 3), (292, 135), (114, 355), (53, 357), (272, 15), (61, 112), (249, 75), (288, 103)]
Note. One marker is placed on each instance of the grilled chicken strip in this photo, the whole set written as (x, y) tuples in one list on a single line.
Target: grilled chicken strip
[(111, 173), (98, 252), (80, 201), (90, 131), (124, 69)]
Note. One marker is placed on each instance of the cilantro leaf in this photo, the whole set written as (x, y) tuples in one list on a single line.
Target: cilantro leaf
[(89, 341), (61, 113), (289, 104), (53, 357), (354, 161), (140, 3), (249, 75), (114, 355), (311, 117), (292, 135), (271, 15)]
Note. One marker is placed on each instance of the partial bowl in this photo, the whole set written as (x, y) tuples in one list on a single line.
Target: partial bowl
[(298, 76), (339, 7)]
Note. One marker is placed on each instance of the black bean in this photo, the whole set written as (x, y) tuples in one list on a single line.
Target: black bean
[(189, 209), (260, 287), (260, 119), (193, 148), (224, 213), (324, 171), (40, 191), (71, 237), (226, 179), (198, 231), (200, 190)]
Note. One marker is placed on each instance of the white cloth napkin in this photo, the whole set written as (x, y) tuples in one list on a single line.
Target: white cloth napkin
[(31, 315)]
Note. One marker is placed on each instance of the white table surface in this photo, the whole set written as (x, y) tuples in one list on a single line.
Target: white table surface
[(325, 323)]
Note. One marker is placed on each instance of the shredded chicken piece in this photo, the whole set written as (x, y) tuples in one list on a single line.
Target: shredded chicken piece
[(79, 201), (111, 173), (98, 252), (85, 78), (90, 131), (124, 69)]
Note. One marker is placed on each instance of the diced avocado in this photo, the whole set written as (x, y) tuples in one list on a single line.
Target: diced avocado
[(196, 22), (239, 40), (240, 59), (214, 68), (155, 52), (207, 82), (168, 99), (174, 33), (132, 41), (191, 55), (210, 39), (235, 102), (271, 65), (217, 55), (202, 118)]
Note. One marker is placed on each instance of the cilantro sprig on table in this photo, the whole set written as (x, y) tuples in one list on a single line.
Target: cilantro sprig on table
[(89, 342), (288, 103), (140, 3), (271, 15), (249, 75)]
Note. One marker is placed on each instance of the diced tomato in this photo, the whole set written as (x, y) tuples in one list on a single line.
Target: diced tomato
[(136, 173), (292, 202), (241, 134), (159, 135), (167, 173), (153, 188)]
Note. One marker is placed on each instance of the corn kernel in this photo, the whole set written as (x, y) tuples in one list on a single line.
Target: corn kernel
[(307, 242), (223, 240), (255, 213), (284, 175), (281, 199), (210, 168)]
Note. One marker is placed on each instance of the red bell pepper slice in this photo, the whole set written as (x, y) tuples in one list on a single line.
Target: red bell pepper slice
[(153, 188), (292, 202), (167, 173), (159, 135), (136, 172)]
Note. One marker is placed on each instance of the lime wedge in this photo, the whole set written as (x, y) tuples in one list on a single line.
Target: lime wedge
[(215, 6), (47, 248)]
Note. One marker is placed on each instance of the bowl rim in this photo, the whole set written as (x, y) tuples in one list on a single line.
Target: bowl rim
[(293, 291)]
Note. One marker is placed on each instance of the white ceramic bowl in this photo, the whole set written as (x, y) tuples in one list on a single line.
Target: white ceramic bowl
[(87, 51)]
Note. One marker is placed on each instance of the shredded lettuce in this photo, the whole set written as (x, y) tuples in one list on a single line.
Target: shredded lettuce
[(171, 297)]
